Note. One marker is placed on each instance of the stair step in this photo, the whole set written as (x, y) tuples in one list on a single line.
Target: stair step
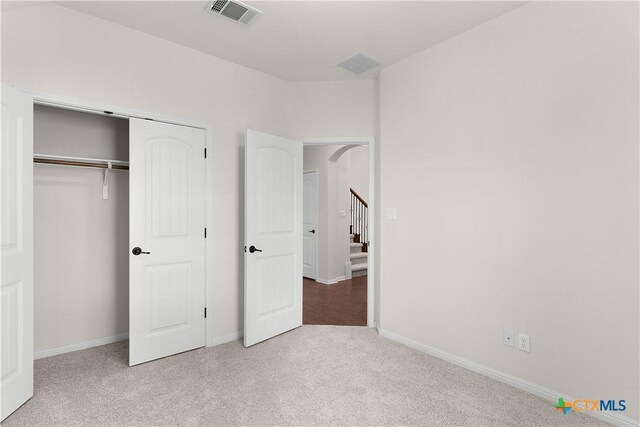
[(359, 267), (358, 273), (357, 256), (355, 248), (355, 245)]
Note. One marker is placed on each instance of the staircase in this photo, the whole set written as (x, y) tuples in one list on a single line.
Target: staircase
[(358, 230), (358, 258)]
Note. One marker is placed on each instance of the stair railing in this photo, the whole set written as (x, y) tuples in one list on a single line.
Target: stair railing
[(359, 226)]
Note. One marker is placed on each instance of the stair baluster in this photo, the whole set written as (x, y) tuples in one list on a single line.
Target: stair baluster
[(359, 220)]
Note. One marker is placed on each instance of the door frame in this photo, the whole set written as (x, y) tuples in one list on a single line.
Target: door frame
[(368, 141), (126, 113), (317, 172)]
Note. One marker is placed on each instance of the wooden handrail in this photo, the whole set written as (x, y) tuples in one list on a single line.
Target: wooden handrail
[(359, 197)]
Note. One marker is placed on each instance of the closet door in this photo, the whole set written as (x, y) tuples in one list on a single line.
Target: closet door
[(16, 240), (167, 226)]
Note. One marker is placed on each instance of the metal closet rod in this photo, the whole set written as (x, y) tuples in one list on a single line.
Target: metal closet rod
[(80, 162)]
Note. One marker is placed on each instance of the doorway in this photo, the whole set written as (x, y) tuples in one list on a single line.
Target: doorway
[(273, 246), (335, 233)]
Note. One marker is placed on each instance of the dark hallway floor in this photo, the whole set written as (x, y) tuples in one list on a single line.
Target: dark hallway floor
[(343, 303)]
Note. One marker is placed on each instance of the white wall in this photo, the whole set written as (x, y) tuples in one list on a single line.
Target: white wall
[(54, 50), (333, 109), (511, 155), (359, 171), (81, 242)]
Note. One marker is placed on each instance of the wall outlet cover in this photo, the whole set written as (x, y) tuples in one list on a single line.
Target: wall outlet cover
[(524, 342), (508, 337)]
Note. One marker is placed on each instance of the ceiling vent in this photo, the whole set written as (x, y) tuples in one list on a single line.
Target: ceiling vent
[(359, 63), (235, 11)]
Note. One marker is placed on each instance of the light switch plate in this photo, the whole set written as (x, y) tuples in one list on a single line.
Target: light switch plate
[(390, 213)]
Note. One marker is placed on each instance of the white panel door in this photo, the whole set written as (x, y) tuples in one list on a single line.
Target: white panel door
[(167, 226), (273, 236), (310, 226), (16, 237)]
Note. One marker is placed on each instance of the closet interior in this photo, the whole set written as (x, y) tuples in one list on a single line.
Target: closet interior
[(81, 229)]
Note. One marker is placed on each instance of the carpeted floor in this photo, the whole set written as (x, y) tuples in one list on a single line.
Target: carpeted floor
[(314, 375)]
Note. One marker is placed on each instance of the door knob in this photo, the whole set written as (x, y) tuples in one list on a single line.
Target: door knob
[(137, 251), (253, 249), (313, 231)]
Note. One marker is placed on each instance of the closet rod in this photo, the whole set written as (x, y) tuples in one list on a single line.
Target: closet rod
[(80, 162)]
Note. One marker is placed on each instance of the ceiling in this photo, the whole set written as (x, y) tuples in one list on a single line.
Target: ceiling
[(303, 40)]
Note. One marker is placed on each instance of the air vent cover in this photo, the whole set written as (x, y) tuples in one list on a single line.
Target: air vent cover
[(359, 63), (234, 10)]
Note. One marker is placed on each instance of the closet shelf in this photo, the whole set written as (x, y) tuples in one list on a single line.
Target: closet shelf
[(81, 162)]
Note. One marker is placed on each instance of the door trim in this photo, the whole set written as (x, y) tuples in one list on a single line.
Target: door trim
[(104, 109), (369, 141)]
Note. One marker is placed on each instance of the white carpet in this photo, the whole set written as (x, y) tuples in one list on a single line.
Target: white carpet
[(314, 375)]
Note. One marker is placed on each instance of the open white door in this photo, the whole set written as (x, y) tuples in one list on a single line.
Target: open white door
[(16, 307), (310, 225), (166, 231), (273, 236)]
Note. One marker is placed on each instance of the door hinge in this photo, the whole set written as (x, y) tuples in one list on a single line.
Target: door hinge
[(205, 232), (205, 312), (205, 152)]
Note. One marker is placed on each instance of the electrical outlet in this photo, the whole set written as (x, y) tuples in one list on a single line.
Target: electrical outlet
[(507, 337), (523, 342)]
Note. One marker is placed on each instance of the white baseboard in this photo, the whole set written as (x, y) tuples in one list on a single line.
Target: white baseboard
[(226, 338), (115, 338), (347, 270), (331, 281), (80, 346), (538, 390)]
